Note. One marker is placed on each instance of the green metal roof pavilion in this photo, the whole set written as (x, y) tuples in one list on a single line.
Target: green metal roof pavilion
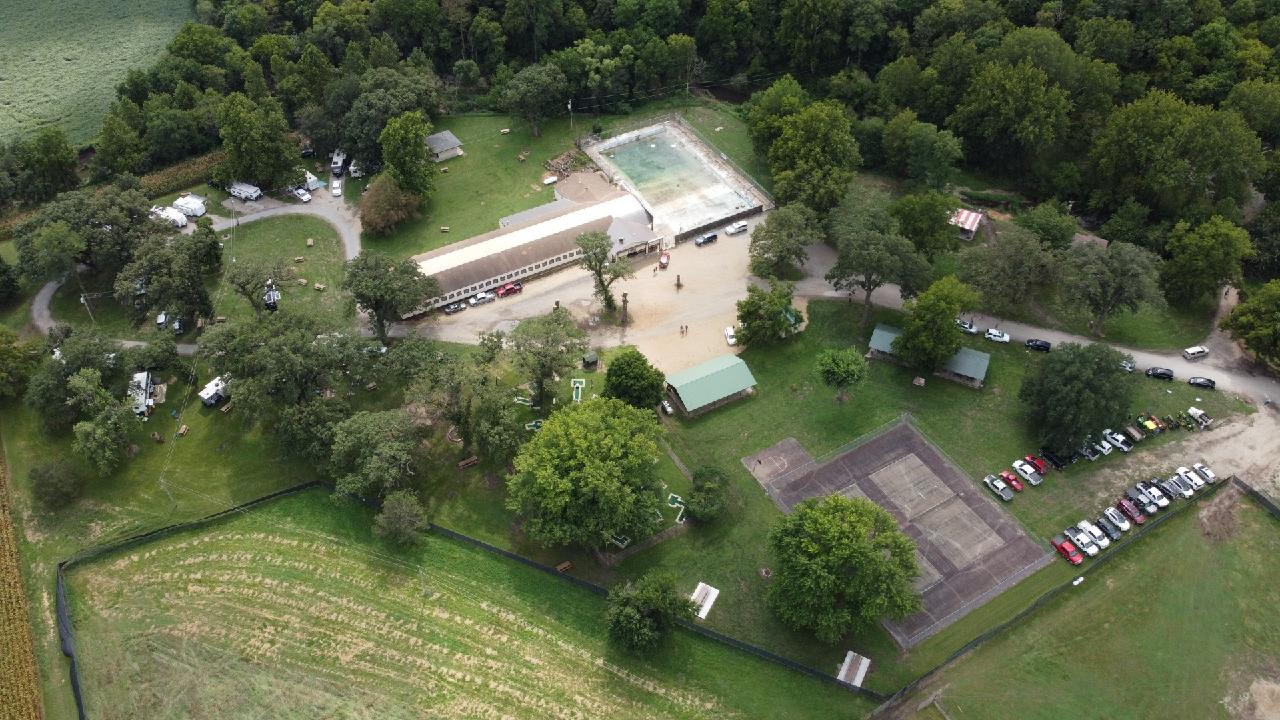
[(966, 363), (712, 381)]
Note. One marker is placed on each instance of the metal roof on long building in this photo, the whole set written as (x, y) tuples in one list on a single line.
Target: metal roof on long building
[(713, 380)]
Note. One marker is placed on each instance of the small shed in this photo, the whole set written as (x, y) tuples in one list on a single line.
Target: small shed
[(967, 366), (444, 145), (710, 385), (590, 360), (967, 220)]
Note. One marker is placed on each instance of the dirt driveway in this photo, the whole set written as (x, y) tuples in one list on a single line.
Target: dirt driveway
[(714, 278)]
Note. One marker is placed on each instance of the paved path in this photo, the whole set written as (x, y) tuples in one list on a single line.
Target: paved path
[(333, 210)]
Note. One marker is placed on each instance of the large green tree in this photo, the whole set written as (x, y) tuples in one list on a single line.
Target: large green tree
[(925, 219), (588, 475), (779, 244), (1075, 391), (1011, 113), (872, 253), (633, 379), (920, 152), (545, 346), (1103, 281), (255, 138), (1203, 258), (118, 149), (840, 566), (165, 275), (814, 158), (641, 613), (373, 453), (1256, 323), (1008, 269), (386, 205), (930, 336), (605, 267), (1049, 224), (766, 316), (841, 368), (18, 359), (387, 289), (535, 94), (101, 439), (768, 108), (404, 151)]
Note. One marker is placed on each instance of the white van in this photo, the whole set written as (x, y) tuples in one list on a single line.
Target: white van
[(736, 229), (1195, 353), (245, 191)]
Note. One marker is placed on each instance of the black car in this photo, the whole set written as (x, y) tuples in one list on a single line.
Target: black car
[(1088, 452), (1202, 382), (1160, 373), (1039, 345), (1171, 488), (308, 151), (1107, 527), (1052, 458), (1142, 500), (454, 308), (705, 239)]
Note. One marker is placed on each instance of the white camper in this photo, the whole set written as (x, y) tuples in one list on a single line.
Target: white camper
[(245, 191), (336, 165), (214, 392), (140, 393), (190, 205), (169, 215)]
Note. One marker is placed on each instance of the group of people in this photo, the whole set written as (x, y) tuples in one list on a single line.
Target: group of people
[(684, 329)]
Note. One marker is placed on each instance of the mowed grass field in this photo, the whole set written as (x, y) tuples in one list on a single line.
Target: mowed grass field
[(294, 610), (1181, 625), (278, 239), (64, 58), (490, 182)]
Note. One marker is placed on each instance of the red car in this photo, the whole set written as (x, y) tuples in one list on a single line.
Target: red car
[(1041, 466), (664, 260), (1131, 511), (1012, 480), (511, 288), (1067, 550)]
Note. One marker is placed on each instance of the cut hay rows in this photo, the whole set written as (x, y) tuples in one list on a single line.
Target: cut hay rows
[(461, 635), (19, 691)]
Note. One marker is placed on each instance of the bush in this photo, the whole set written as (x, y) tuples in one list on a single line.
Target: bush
[(386, 205), (707, 500), (56, 484), (402, 519), (183, 175), (642, 613)]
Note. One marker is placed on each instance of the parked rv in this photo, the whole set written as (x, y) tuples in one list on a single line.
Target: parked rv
[(245, 191)]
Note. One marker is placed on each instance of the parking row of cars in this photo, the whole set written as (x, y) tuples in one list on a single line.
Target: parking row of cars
[(1029, 470), (1143, 500), (484, 298)]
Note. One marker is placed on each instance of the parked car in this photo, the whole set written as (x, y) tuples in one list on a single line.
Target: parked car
[(482, 298), (966, 326), (1141, 499), (664, 260), (1088, 452), (1154, 493), (1041, 466), (302, 194), (1039, 345), (1202, 382), (1131, 511), (1082, 541), (1102, 446), (1117, 440), (1054, 458), (1128, 366), (1012, 479), (454, 308), (335, 188), (1160, 373), (1117, 518), (1108, 527), (1204, 472), (1027, 472), (1095, 534), (308, 151), (1173, 488), (666, 407), (511, 288), (1194, 480), (998, 486), (729, 336), (999, 336), (1195, 353), (736, 229), (706, 239), (1066, 549)]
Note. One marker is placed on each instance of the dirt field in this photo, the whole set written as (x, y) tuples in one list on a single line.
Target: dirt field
[(19, 691), (970, 550)]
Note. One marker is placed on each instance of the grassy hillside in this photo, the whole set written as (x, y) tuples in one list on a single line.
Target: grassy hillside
[(63, 58), (296, 610)]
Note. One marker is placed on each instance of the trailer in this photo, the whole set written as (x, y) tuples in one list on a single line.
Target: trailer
[(190, 205), (1201, 417), (245, 191), (169, 215), (214, 392)]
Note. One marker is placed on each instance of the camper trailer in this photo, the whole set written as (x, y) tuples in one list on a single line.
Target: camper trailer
[(140, 387), (338, 163), (169, 215), (190, 205), (214, 392), (245, 191), (271, 298)]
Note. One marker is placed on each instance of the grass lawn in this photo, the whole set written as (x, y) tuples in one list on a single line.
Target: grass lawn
[(1152, 328), (1177, 626), (489, 182), (15, 314), (296, 610), (279, 239), (63, 58)]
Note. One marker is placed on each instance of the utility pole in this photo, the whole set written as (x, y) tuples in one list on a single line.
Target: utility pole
[(570, 116), (624, 308)]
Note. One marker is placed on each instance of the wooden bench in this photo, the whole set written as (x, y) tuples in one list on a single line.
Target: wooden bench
[(220, 319), (704, 596), (311, 242), (319, 286), (444, 228), (182, 431), (468, 462), (565, 566), (299, 259), (226, 408), (371, 386)]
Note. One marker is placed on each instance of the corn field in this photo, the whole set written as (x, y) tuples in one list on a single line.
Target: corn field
[(19, 690)]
